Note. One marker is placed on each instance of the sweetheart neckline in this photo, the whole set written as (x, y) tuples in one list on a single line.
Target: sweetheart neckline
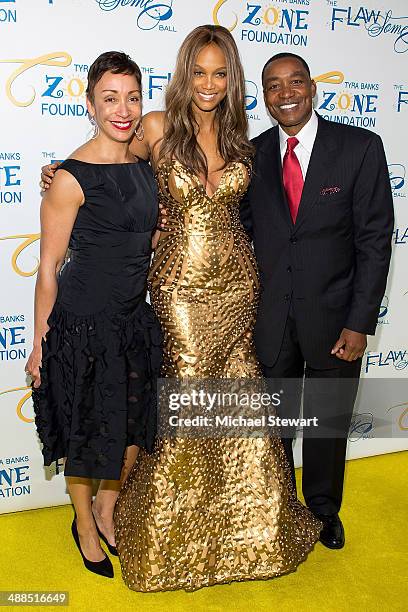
[(200, 183)]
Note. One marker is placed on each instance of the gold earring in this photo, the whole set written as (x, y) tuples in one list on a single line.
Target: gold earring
[(139, 132)]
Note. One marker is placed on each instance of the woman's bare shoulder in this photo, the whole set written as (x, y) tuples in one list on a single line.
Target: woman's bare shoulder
[(82, 153), (154, 117), (154, 122), (153, 125)]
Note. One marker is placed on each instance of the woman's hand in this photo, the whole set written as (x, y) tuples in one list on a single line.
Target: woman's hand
[(47, 175), (33, 365), (161, 221), (161, 226)]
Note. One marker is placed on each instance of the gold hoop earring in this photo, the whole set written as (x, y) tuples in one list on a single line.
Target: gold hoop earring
[(139, 131)]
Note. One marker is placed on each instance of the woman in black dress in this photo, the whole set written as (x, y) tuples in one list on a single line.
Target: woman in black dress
[(96, 341)]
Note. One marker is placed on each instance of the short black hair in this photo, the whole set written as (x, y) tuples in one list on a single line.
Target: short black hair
[(111, 61), (279, 56)]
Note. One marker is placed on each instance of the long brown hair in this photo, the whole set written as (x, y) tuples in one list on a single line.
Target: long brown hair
[(179, 139)]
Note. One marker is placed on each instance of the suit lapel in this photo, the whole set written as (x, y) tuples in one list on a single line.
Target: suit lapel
[(321, 159), (270, 171)]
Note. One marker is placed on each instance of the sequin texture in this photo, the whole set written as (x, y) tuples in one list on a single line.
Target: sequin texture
[(199, 512)]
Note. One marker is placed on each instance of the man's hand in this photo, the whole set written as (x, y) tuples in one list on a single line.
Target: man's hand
[(155, 239), (47, 174), (350, 345)]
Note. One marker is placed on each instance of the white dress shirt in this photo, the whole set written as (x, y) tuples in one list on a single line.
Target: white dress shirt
[(306, 138)]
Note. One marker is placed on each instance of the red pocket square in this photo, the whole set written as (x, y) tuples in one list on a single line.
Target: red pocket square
[(329, 190)]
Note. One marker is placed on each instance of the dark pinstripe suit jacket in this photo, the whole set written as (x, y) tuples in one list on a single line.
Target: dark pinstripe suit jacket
[(332, 264)]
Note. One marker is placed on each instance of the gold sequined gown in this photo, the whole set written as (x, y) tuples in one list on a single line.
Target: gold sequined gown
[(202, 512)]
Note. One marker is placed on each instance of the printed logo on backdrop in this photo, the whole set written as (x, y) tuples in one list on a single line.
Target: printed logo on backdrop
[(376, 23), (278, 23), (155, 81), (149, 14), (354, 103), (401, 102), (383, 315), (13, 337), (401, 412), (397, 180), (15, 477), (23, 407), (11, 474), (395, 359), (361, 426), (400, 236), (44, 82), (21, 253), (10, 178), (8, 11), (251, 100)]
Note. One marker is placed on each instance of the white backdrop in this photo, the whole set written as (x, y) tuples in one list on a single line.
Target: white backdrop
[(358, 53)]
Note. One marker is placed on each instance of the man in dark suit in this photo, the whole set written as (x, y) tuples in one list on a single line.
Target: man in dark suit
[(319, 210)]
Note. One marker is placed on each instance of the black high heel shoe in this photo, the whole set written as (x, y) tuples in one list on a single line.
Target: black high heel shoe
[(112, 549), (102, 568)]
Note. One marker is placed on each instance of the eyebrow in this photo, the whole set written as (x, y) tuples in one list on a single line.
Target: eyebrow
[(293, 74), (219, 68), (116, 91)]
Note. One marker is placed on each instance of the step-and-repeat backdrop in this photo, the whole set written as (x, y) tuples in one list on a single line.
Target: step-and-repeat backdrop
[(358, 53)]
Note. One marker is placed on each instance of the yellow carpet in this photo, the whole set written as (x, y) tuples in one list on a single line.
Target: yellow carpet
[(370, 573)]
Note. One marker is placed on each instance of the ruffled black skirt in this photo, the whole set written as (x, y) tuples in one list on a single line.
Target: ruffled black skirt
[(98, 389)]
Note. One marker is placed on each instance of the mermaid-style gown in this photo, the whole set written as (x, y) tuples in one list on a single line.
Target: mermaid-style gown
[(199, 512)]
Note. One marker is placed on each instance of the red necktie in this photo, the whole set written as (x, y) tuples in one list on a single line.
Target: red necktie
[(292, 177)]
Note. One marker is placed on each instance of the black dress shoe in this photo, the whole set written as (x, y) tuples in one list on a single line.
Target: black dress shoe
[(103, 568), (332, 534), (112, 549)]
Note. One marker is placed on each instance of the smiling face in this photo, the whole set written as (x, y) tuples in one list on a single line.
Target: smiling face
[(116, 105), (289, 93), (209, 79)]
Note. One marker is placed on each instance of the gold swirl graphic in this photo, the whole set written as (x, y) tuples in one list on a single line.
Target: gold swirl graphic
[(57, 58), (402, 416), (335, 77), (216, 10), (28, 240), (19, 408)]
